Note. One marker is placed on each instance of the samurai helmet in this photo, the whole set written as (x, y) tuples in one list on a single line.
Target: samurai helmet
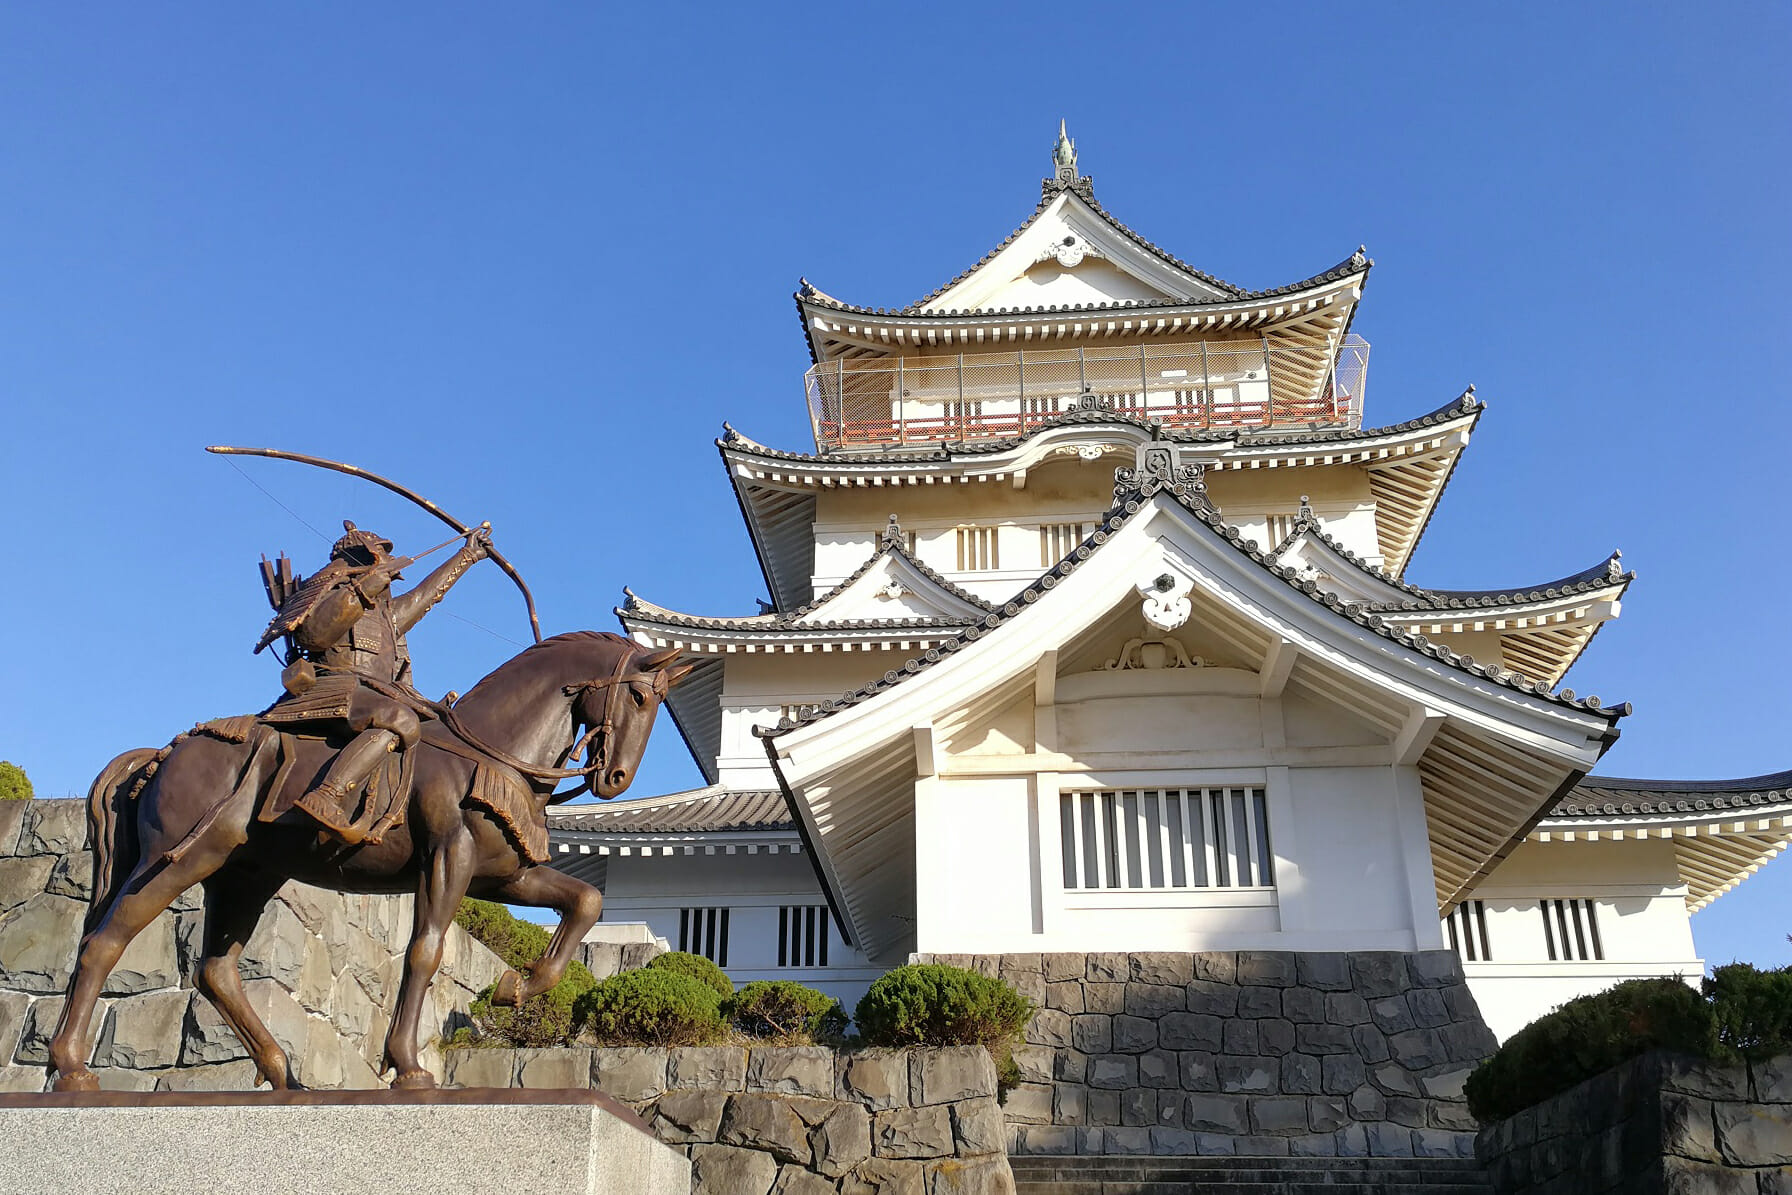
[(360, 547)]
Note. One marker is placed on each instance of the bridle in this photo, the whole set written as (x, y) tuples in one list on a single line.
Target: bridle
[(594, 745)]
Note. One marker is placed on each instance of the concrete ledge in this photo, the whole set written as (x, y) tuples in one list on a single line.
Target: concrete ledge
[(332, 1143)]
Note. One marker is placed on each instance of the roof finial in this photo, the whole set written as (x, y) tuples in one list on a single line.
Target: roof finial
[(893, 533), (1064, 173), (1064, 155)]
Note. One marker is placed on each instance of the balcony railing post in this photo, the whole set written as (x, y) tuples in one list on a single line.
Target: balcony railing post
[(840, 400), (1269, 401), (1082, 374), (901, 411), (961, 384), (1020, 371), (1206, 389), (1144, 383)]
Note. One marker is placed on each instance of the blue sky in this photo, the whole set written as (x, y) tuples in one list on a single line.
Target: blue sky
[(527, 259)]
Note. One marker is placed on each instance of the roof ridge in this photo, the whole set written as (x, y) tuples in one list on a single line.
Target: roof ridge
[(1188, 492)]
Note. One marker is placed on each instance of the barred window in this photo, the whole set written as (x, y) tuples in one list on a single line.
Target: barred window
[(704, 931), (1571, 931), (1467, 927), (1277, 528), (797, 710), (1058, 540), (976, 549), (1166, 838), (803, 936)]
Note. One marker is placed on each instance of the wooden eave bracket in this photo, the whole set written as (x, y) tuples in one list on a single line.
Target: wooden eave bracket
[(1422, 725)]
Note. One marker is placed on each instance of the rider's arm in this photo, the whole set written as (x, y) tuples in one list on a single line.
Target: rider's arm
[(409, 608), (330, 619)]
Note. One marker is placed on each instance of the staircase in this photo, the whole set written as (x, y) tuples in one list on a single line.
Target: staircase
[(1111, 1175)]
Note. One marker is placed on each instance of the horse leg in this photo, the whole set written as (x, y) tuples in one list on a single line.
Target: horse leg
[(446, 872), (150, 888), (234, 903), (579, 906)]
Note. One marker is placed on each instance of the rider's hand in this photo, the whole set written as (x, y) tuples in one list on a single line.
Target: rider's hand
[(480, 540)]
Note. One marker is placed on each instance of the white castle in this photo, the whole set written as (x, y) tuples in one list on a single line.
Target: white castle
[(1090, 630)]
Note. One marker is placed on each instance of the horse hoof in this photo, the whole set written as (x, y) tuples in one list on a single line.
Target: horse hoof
[(414, 1080), (509, 992), (81, 1080)]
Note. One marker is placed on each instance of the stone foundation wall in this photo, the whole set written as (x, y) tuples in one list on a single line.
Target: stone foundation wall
[(1659, 1123), (795, 1120), (322, 970), (1246, 1052)]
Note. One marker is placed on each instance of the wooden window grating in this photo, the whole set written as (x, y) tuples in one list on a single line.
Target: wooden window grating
[(1571, 931), (704, 931), (1058, 540), (976, 549), (1166, 838), (803, 936), (1467, 926)]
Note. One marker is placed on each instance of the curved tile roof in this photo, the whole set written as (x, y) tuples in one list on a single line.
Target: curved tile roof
[(1463, 405), (1603, 575), (1198, 506), (1618, 796), (890, 543), (1049, 192), (698, 811), (1352, 265)]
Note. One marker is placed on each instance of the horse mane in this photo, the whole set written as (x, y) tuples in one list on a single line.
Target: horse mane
[(552, 645)]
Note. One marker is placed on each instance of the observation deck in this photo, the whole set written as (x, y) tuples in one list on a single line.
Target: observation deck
[(1199, 385)]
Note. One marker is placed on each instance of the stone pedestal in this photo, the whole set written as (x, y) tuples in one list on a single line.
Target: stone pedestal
[(332, 1143)]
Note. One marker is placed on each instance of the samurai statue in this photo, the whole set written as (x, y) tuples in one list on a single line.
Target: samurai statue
[(348, 671)]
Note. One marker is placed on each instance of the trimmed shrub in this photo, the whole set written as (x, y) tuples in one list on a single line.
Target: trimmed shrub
[(1753, 1010), (1589, 1035), (929, 1004), (506, 935), (653, 1006), (546, 1020), (14, 784), (784, 1008), (698, 968)]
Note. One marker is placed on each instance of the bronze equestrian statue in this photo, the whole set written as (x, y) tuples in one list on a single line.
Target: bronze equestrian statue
[(460, 809)]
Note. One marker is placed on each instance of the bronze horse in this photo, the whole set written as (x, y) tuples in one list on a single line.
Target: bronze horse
[(194, 821)]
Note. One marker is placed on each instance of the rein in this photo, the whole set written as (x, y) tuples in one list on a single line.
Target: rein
[(616, 683)]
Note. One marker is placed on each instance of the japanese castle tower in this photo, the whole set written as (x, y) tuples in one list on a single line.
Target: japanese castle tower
[(1091, 630)]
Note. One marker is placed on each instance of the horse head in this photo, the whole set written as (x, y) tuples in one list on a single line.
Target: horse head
[(617, 712)]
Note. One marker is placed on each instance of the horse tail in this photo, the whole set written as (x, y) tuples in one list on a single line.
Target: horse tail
[(111, 828)]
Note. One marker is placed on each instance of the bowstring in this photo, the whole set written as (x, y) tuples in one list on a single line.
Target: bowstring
[(295, 514)]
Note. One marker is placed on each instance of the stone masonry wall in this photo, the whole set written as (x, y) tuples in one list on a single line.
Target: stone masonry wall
[(1247, 1052), (1657, 1124), (322, 970), (798, 1120)]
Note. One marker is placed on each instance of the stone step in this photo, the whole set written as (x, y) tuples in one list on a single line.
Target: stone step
[(1037, 1175)]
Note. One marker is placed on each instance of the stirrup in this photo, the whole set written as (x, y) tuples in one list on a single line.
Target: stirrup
[(324, 805)]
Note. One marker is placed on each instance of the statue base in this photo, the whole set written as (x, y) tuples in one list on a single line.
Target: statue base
[(332, 1143)]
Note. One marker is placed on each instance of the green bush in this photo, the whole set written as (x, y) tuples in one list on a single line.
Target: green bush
[(698, 968), (930, 1004), (1753, 1009), (14, 784), (784, 1008), (660, 1006), (1587, 1036), (546, 1020)]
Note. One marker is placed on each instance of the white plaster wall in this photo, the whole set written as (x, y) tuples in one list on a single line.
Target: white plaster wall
[(975, 846), (752, 887), (1351, 851), (1639, 904)]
